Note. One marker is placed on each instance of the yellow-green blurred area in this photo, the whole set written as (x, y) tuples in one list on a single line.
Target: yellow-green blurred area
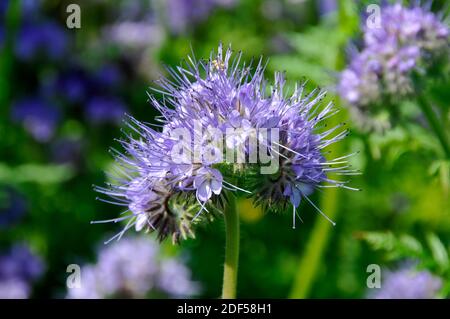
[(63, 95)]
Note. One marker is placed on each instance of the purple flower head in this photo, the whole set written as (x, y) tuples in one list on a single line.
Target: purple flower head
[(219, 132), (21, 263), (46, 38), (118, 274), (19, 268), (108, 76), (73, 85), (37, 116), (102, 109), (407, 41), (408, 283)]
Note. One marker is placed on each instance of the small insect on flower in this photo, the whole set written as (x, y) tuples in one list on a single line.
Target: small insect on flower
[(220, 133)]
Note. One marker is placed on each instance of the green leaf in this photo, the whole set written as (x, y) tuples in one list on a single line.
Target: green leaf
[(438, 251), (35, 173), (410, 245), (380, 240)]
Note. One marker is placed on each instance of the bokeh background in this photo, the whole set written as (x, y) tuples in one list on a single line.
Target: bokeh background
[(63, 96)]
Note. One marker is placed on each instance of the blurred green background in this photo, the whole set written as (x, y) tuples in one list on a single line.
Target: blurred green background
[(63, 93)]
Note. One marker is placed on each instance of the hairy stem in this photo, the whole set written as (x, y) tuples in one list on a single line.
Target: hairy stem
[(231, 250)]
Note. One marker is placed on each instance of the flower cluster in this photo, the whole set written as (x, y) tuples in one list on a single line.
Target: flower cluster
[(72, 85), (407, 283), (219, 130), (118, 274), (407, 41), (19, 268)]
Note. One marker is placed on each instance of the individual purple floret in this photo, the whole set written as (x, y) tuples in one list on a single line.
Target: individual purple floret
[(19, 268), (38, 117), (118, 274), (408, 283), (177, 176), (407, 41)]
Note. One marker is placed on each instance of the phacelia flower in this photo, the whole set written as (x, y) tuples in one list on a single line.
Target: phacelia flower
[(47, 39), (118, 275), (408, 283), (38, 117), (19, 268), (408, 41), (219, 132)]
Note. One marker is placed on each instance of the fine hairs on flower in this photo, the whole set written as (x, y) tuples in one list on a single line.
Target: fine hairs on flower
[(178, 172)]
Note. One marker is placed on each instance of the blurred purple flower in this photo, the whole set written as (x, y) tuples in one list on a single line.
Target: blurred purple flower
[(3, 9), (46, 38), (408, 283), (73, 85), (101, 109), (38, 117), (107, 76), (20, 262), (182, 14), (134, 34), (174, 279), (19, 268), (326, 7), (407, 41), (14, 289), (67, 150), (12, 207), (133, 268)]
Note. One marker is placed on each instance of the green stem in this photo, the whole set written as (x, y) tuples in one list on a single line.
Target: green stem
[(434, 124), (314, 250), (310, 261), (231, 250)]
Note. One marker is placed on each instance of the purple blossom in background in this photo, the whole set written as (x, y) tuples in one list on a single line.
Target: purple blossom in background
[(41, 38), (73, 85), (407, 41), (38, 117), (182, 14), (19, 268), (170, 192), (12, 207), (107, 76), (3, 10), (408, 284), (102, 109), (175, 280), (67, 150), (326, 7), (134, 268)]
